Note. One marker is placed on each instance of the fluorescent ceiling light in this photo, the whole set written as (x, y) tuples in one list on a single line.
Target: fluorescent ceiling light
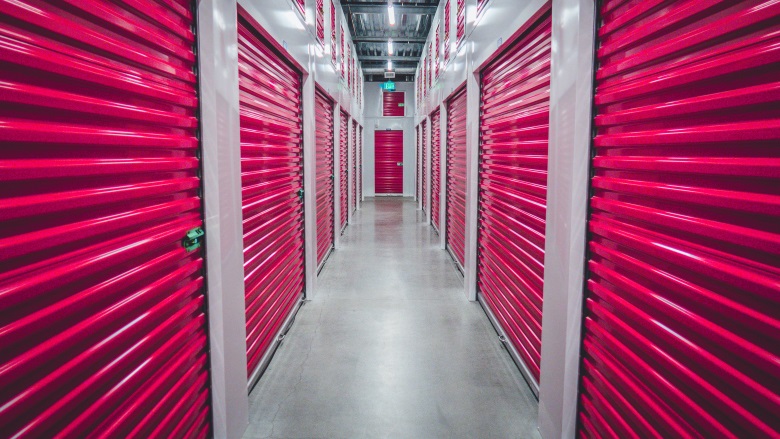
[(390, 46), (391, 13), (389, 64)]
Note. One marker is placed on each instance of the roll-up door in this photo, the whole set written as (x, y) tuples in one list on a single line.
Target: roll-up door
[(456, 176), (323, 108), (418, 147), (435, 168), (681, 324), (354, 165), (360, 166), (103, 325), (388, 162), (514, 124), (424, 167), (393, 103), (343, 161), (272, 190)]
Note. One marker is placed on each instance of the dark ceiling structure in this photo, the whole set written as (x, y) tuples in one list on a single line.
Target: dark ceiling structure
[(370, 27)]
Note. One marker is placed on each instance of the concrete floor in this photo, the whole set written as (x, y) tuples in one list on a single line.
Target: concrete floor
[(390, 348)]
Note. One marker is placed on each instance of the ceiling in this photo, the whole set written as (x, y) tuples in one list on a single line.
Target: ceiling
[(370, 27)]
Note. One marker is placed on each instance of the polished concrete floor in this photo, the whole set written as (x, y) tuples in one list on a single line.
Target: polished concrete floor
[(389, 347)]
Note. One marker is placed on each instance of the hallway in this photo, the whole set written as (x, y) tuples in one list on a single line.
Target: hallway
[(390, 347)]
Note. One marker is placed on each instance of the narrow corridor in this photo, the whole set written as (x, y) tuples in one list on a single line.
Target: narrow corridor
[(390, 347)]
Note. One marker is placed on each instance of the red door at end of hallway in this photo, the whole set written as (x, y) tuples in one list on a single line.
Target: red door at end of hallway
[(456, 176), (514, 125), (388, 162), (103, 316), (435, 168), (681, 330), (272, 189), (344, 164), (325, 175)]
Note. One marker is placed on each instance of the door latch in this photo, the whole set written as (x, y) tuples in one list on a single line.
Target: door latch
[(193, 239), (300, 194), (399, 163)]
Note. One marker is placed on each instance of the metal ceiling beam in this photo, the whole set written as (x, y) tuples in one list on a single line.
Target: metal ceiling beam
[(402, 40), (381, 8), (385, 58)]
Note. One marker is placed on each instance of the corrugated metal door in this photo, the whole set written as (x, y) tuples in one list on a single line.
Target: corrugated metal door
[(272, 189), (418, 139), (354, 166), (512, 189), (393, 103), (456, 176), (343, 160), (424, 167), (435, 168), (360, 166), (682, 330), (103, 325), (323, 108), (388, 162)]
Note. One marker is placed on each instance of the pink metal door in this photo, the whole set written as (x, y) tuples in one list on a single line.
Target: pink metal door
[(272, 189), (393, 103), (343, 161), (681, 324), (388, 162), (513, 186), (323, 110), (102, 321), (435, 168), (424, 167), (360, 166), (456, 176), (354, 165)]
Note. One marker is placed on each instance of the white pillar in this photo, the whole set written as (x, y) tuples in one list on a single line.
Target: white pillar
[(309, 182), (218, 60), (443, 175), (567, 208), (472, 179)]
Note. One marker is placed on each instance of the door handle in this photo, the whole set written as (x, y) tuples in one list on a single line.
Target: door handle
[(399, 163)]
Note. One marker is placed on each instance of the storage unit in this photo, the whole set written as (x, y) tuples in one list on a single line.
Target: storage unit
[(360, 166), (388, 162), (435, 168), (514, 125), (354, 165), (393, 103), (456, 176), (344, 165), (103, 325), (680, 323), (417, 149), (272, 190), (424, 167), (323, 110)]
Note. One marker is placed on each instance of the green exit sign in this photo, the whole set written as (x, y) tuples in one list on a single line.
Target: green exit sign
[(389, 86)]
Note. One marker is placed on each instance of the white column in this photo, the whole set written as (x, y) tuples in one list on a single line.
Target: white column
[(309, 182), (472, 180), (567, 207), (427, 176), (443, 175), (218, 60)]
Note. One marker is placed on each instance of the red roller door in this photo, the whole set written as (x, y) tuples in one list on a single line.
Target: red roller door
[(343, 161), (424, 167), (435, 168), (323, 108), (393, 103), (681, 328), (360, 166), (103, 325), (418, 147), (354, 166), (513, 187), (388, 162), (456, 176), (272, 189)]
